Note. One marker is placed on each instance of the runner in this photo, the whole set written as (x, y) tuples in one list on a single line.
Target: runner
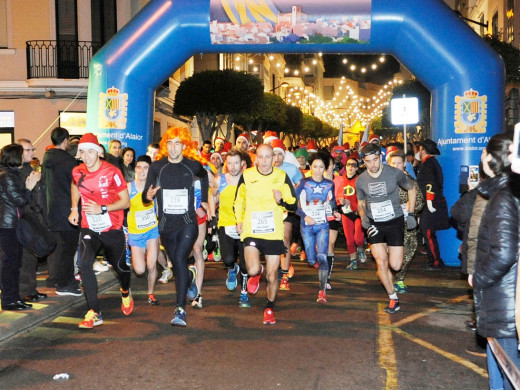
[(379, 207), (223, 191), (263, 193), (172, 180), (143, 233), (103, 193), (294, 173), (316, 205)]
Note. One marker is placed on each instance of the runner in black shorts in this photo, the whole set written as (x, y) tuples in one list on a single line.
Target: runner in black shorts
[(379, 207)]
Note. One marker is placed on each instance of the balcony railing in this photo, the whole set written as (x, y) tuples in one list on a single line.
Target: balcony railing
[(59, 59)]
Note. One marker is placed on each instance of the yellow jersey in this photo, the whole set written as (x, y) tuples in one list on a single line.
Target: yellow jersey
[(255, 205), (140, 218), (226, 215)]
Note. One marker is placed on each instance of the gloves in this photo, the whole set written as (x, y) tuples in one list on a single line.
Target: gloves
[(372, 231), (411, 222), (429, 204)]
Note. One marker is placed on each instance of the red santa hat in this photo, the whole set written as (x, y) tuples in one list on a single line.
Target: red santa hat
[(219, 139), (218, 155), (374, 137), (278, 144), (311, 146), (227, 146), (269, 136), (89, 141), (338, 149), (346, 145), (245, 137), (363, 144), (355, 155)]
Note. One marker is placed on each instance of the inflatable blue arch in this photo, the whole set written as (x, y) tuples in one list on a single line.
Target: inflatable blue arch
[(464, 75)]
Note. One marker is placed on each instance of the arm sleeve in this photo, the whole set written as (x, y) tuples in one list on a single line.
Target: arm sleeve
[(288, 195), (240, 198)]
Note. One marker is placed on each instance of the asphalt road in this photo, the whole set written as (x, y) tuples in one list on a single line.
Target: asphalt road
[(349, 343)]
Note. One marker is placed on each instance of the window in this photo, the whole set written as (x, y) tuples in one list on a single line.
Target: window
[(494, 26), (104, 20), (67, 37), (3, 24)]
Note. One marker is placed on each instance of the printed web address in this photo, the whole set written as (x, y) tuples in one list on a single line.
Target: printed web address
[(469, 148)]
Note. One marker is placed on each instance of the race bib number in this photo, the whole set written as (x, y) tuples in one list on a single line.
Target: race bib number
[(145, 219), (262, 222), (175, 201), (231, 231), (317, 212), (99, 222), (382, 211)]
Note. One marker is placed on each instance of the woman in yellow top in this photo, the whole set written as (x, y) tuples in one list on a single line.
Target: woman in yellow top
[(143, 232)]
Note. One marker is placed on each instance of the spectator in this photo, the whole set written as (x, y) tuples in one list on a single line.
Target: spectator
[(114, 153), (128, 167)]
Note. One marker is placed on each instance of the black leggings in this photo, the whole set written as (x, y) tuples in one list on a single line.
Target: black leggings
[(179, 244), (113, 243), (230, 249)]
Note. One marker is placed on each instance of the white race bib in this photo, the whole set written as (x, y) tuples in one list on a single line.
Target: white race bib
[(382, 211), (405, 212), (262, 222), (317, 212), (98, 222), (231, 231), (175, 201), (145, 218)]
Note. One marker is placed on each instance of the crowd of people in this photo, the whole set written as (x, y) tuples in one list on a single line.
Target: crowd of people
[(255, 207)]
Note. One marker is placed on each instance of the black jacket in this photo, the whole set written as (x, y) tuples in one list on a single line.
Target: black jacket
[(461, 214), (13, 197), (494, 280), (56, 179)]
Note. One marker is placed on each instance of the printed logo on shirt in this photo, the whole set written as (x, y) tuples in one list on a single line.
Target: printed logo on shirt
[(103, 182), (117, 179), (377, 189)]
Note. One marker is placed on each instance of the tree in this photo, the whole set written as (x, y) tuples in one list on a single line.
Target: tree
[(214, 96), (293, 124), (270, 114), (510, 55)]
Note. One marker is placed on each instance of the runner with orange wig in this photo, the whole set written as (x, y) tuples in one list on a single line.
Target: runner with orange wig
[(171, 180)]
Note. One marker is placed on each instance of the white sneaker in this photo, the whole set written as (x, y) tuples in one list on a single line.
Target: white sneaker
[(167, 274), (99, 267), (328, 286), (197, 302)]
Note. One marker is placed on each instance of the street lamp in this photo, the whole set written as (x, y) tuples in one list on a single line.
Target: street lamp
[(282, 85)]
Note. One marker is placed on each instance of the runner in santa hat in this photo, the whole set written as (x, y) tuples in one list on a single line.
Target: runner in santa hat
[(290, 158), (219, 144), (312, 147), (243, 143), (295, 176), (217, 160), (374, 139)]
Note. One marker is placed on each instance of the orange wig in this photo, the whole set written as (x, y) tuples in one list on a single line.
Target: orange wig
[(185, 137)]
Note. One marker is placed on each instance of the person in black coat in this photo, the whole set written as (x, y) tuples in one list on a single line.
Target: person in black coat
[(56, 180), (435, 215), (13, 197), (494, 279)]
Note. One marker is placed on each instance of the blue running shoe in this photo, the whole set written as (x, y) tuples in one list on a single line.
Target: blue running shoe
[(179, 317), (243, 301), (361, 255), (231, 281), (192, 287)]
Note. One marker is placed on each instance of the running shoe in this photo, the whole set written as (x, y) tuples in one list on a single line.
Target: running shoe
[(352, 266), (269, 317), (192, 287), (253, 283), (152, 300), (231, 281), (303, 256), (328, 286), (216, 254), (179, 317), (91, 319), (291, 272), (400, 287), (393, 306), (167, 275), (361, 255), (294, 249), (322, 297), (243, 301), (127, 304), (99, 267), (69, 290), (197, 302), (284, 284)]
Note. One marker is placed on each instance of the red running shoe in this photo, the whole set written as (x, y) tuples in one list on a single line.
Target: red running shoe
[(269, 317), (322, 297), (253, 283)]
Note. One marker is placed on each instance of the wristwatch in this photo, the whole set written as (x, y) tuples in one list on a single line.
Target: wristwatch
[(104, 209)]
